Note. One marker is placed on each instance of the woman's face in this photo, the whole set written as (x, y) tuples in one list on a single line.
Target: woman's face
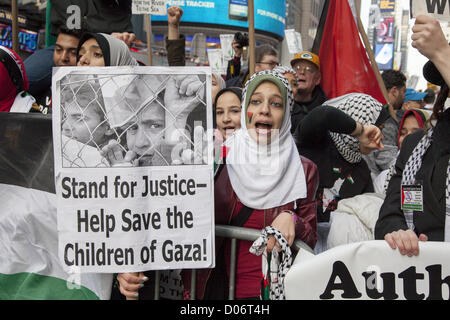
[(228, 114), (265, 112), (410, 125), (90, 54)]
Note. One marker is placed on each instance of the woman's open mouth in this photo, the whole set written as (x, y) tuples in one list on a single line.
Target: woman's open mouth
[(263, 128)]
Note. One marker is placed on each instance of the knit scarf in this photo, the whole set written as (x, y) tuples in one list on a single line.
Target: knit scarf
[(409, 178)]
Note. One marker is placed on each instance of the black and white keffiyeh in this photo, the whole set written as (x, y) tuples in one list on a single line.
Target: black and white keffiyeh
[(278, 267), (363, 109), (409, 178)]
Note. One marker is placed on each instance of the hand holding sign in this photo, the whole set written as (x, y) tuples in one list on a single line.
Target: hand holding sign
[(130, 283), (428, 37), (406, 241)]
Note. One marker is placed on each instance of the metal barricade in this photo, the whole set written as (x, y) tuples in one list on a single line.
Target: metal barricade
[(234, 233)]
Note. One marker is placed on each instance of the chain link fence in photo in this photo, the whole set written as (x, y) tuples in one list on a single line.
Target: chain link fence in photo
[(131, 120)]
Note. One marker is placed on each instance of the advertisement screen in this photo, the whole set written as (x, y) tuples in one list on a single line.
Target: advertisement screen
[(238, 10), (270, 15), (384, 55)]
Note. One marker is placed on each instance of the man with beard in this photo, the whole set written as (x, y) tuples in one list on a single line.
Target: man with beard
[(380, 160)]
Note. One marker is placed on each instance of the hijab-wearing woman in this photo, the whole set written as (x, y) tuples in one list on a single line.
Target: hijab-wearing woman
[(103, 50), (422, 169), (334, 136), (264, 182), (13, 83), (227, 109)]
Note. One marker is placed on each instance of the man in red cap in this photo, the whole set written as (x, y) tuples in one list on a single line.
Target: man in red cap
[(309, 93)]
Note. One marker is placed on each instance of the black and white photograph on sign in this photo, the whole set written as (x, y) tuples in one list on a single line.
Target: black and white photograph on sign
[(120, 120)]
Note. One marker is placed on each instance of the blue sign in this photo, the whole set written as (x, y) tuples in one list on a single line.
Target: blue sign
[(28, 40), (270, 15)]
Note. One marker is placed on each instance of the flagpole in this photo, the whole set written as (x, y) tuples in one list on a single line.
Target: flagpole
[(14, 25), (149, 37), (251, 37), (374, 64)]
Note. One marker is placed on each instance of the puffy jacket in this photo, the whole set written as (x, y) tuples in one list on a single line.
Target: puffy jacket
[(225, 201)]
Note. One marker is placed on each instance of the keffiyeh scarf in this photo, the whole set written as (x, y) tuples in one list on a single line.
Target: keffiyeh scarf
[(277, 265), (409, 178), (363, 109)]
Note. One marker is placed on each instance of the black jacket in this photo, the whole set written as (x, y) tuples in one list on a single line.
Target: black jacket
[(314, 142), (105, 16), (433, 174), (301, 109)]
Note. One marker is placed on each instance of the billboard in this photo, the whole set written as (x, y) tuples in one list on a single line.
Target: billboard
[(385, 30), (270, 15), (384, 55), (387, 6), (28, 40)]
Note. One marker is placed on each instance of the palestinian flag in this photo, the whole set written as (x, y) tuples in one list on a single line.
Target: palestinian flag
[(344, 63), (29, 263)]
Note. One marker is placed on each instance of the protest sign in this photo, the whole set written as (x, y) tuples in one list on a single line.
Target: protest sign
[(135, 190), (370, 270), (438, 9), (226, 43), (294, 41), (156, 7), (215, 60)]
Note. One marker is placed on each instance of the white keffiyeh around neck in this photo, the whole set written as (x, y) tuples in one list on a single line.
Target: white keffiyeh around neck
[(409, 178)]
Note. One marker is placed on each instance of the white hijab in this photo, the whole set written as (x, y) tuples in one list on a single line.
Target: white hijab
[(261, 179)]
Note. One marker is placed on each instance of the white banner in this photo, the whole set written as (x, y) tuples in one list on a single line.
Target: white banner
[(370, 270), (155, 7), (134, 168), (438, 9)]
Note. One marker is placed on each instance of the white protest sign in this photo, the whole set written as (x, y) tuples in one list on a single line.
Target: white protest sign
[(155, 7), (438, 9), (215, 60), (370, 270), (294, 41), (226, 43), (147, 204)]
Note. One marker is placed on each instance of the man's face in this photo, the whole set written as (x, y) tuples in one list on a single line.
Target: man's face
[(308, 76), (292, 81), (411, 104), (268, 62), (145, 135), (397, 96), (65, 53)]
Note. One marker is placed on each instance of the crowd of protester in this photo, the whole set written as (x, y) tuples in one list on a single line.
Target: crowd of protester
[(334, 153)]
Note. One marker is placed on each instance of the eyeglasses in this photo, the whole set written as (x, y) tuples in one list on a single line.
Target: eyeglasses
[(272, 64), (304, 69)]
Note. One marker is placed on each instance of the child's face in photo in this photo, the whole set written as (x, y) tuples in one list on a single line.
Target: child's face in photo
[(145, 135), (84, 121)]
